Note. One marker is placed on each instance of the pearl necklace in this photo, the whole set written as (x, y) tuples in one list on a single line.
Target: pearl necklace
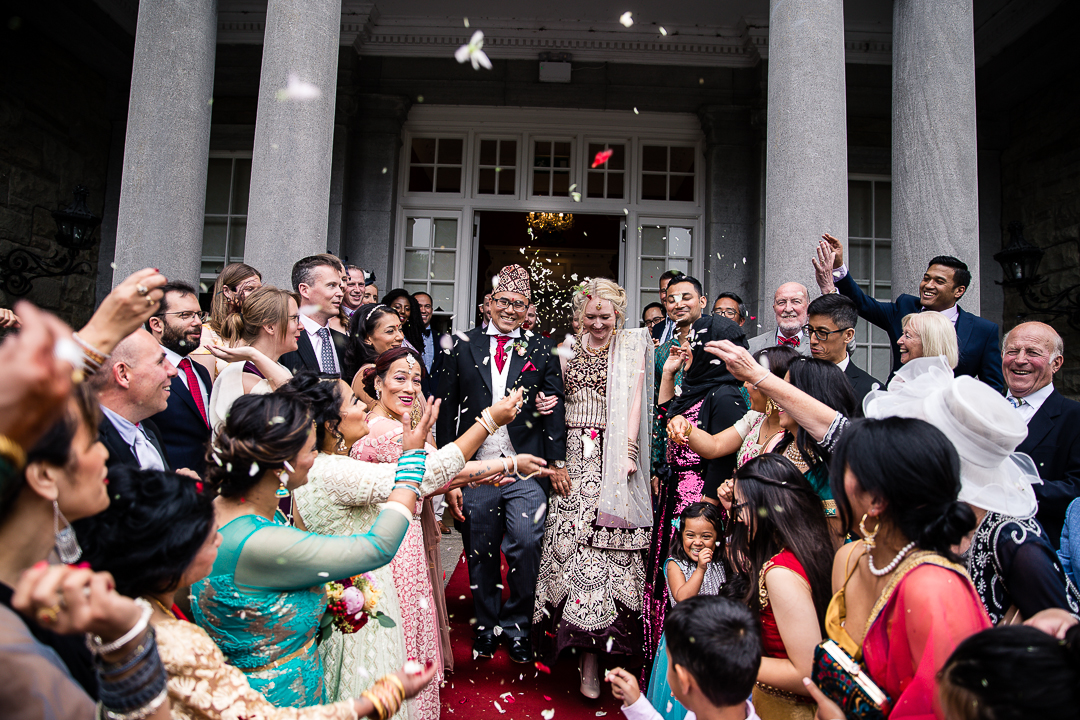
[(891, 566)]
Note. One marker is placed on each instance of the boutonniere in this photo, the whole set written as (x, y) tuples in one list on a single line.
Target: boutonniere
[(519, 348)]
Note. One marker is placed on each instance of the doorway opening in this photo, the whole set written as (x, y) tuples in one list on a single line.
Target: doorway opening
[(556, 261)]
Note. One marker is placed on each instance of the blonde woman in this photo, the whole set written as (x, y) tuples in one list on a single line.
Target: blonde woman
[(266, 328), (592, 570), (928, 334), (235, 282)]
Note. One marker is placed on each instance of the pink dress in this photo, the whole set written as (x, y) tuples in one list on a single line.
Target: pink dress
[(419, 621)]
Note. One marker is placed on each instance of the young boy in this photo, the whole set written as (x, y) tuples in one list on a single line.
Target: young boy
[(714, 651)]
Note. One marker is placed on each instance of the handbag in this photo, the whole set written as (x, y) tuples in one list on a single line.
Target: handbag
[(844, 682)]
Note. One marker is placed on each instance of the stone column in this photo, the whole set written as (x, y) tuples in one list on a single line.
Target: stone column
[(371, 185), (732, 167), (163, 190), (806, 154), (935, 188), (288, 209)]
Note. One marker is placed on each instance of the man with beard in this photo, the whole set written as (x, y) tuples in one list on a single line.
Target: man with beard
[(184, 428), (790, 303)]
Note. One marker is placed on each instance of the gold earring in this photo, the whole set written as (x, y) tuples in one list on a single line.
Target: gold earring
[(770, 406), (341, 448), (869, 537)]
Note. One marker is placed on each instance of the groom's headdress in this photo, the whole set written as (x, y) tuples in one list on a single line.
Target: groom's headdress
[(515, 279)]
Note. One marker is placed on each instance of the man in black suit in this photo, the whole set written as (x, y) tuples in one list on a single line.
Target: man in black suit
[(133, 386), (830, 324), (477, 372), (662, 331), (1033, 352), (433, 354), (177, 326), (317, 280)]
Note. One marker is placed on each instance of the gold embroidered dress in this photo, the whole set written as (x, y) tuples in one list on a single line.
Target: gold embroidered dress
[(589, 590)]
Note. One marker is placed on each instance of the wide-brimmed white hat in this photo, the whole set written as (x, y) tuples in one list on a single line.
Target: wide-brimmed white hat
[(982, 425)]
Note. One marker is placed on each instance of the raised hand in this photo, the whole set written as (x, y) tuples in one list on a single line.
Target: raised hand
[(704, 557), (678, 430), (414, 438), (738, 360), (837, 248), (505, 410), (124, 309), (624, 686), (823, 267)]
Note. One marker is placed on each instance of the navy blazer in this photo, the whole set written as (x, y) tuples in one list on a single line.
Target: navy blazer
[(977, 338), (184, 433), (1053, 442), (120, 453), (465, 390), (303, 357)]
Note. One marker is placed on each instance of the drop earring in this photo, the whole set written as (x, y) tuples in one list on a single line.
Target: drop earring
[(869, 537), (341, 448), (283, 477), (67, 545)]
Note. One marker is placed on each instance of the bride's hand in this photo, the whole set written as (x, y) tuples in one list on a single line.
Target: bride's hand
[(505, 410), (530, 465)]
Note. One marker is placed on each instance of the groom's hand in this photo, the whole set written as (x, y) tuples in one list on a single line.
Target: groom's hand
[(560, 481)]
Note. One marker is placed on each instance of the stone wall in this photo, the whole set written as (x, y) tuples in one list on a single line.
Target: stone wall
[(55, 133), (1034, 89)]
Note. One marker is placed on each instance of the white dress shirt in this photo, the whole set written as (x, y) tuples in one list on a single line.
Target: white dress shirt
[(135, 438), (643, 710), (175, 359), (429, 348), (844, 363), (1031, 404), (669, 329), (498, 445), (312, 328)]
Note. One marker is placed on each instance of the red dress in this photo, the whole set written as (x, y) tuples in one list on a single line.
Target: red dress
[(770, 635)]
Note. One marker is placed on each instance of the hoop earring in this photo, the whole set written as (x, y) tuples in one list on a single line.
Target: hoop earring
[(67, 545), (869, 537), (341, 448)]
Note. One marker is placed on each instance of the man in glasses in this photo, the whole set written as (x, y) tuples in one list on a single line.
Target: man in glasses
[(184, 424), (731, 306), (830, 325), (478, 371)]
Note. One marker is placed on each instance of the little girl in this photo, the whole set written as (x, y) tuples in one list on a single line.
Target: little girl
[(690, 570)]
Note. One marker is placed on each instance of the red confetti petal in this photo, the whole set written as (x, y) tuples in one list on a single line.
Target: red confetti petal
[(602, 157), (543, 668)]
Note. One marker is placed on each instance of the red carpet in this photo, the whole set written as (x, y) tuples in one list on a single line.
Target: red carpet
[(522, 691)]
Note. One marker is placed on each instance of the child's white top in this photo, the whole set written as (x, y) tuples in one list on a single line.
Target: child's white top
[(643, 710)]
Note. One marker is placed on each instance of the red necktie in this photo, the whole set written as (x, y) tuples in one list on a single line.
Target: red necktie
[(789, 342), (193, 386), (500, 351)]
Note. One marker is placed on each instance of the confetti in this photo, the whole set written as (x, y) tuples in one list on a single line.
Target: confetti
[(473, 52), (610, 642), (299, 90), (627, 19), (662, 30), (499, 707), (636, 111), (602, 157), (540, 512), (324, 574), (547, 714), (466, 22), (543, 668), (412, 667)]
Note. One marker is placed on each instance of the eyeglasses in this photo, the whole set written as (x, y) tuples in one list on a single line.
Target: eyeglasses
[(654, 321), (294, 318), (518, 305), (727, 312), (187, 315), (822, 335)]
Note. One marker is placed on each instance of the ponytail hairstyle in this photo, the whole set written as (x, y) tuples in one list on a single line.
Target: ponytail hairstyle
[(359, 351), (383, 364), (230, 277), (784, 512), (914, 468), (698, 510), (323, 397), (261, 432), (267, 305), (1012, 672)]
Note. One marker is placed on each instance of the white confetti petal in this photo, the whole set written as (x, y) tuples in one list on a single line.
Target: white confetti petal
[(548, 714), (627, 19), (539, 515), (662, 30), (299, 90)]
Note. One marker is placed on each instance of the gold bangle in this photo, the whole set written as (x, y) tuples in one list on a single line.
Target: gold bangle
[(13, 452), (486, 412), (379, 709), (91, 352), (396, 681)]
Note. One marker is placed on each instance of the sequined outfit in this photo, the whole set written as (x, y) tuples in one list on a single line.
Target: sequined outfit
[(589, 590)]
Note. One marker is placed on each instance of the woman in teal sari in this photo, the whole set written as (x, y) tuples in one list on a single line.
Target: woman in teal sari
[(263, 601)]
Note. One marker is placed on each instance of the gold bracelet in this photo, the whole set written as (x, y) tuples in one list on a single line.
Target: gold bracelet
[(395, 680), (486, 412), (484, 424), (13, 452), (379, 709), (94, 355)]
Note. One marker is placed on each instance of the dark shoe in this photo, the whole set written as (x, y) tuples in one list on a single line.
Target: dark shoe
[(484, 646), (443, 529), (520, 649)]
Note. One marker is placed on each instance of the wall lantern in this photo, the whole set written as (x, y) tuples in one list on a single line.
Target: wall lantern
[(1019, 262), (75, 227)]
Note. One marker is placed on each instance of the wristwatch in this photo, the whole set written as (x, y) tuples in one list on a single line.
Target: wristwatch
[(559, 464)]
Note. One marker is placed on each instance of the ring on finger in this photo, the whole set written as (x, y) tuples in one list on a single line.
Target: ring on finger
[(49, 614), (142, 289), (150, 301)]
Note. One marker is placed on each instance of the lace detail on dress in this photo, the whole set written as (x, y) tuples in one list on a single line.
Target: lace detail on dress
[(202, 686)]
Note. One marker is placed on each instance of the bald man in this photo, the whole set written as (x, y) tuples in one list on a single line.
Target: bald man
[(1031, 354), (790, 303), (132, 386)]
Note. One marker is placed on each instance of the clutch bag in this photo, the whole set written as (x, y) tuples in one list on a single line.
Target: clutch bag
[(845, 682)]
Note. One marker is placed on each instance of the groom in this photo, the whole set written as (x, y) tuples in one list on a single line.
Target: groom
[(495, 360)]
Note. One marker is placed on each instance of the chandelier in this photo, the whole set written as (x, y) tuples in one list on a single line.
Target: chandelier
[(550, 222)]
